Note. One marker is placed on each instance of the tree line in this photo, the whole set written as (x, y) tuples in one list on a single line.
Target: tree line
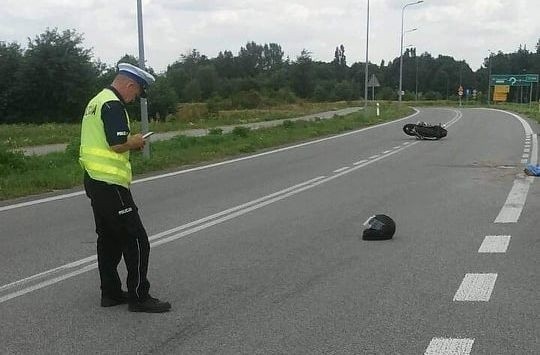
[(52, 79)]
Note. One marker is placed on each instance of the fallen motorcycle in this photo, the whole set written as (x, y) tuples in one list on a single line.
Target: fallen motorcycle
[(423, 130)]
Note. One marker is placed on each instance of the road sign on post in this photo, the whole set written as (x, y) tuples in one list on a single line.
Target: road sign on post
[(373, 83), (513, 80), (500, 93)]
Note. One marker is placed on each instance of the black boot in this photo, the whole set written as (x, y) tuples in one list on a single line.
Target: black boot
[(149, 305), (110, 301)]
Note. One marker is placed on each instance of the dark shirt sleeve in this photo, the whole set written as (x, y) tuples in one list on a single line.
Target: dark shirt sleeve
[(115, 123)]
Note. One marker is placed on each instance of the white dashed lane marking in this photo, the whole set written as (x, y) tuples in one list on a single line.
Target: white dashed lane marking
[(495, 244), (479, 286), (476, 287), (515, 201), (442, 346)]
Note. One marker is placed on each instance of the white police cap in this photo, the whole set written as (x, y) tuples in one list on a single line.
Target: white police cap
[(140, 76)]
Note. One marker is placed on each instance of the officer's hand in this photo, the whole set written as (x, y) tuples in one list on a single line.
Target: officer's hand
[(136, 141)]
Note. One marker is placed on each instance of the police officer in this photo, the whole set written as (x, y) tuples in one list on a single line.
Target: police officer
[(106, 141)]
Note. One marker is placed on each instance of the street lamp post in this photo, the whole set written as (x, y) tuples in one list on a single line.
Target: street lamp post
[(144, 104), (401, 47), (489, 78), (367, 59), (416, 76)]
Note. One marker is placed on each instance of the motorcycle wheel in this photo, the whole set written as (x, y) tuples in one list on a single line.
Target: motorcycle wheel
[(409, 129)]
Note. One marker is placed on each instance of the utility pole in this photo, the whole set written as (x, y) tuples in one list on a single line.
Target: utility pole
[(367, 60), (416, 76), (144, 104), (489, 78)]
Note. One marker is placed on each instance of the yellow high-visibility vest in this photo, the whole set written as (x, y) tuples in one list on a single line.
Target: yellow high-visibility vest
[(95, 156)]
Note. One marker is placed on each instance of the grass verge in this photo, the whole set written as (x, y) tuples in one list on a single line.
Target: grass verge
[(25, 135)]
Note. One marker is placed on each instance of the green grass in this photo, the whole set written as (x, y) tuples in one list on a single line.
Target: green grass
[(21, 175), (23, 135)]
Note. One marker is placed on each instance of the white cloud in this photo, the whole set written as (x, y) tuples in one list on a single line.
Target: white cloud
[(463, 29)]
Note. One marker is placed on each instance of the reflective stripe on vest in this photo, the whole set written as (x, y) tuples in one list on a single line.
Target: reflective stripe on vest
[(117, 164), (96, 157)]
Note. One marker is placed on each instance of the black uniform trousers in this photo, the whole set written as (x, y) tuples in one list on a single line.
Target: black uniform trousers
[(120, 233)]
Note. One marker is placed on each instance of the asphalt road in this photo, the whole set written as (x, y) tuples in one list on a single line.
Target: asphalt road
[(263, 254)]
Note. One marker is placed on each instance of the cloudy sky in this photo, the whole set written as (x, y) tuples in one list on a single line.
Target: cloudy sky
[(463, 29)]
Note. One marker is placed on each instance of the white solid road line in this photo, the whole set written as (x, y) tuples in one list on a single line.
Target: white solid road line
[(362, 161), (476, 287), (341, 169), (495, 244), (448, 346)]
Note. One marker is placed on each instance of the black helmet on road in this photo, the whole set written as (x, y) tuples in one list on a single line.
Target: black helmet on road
[(380, 227)]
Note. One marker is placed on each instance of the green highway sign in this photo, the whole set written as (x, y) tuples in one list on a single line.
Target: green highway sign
[(513, 80)]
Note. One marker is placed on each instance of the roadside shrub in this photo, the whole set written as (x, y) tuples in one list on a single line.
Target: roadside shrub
[(214, 105), (241, 131), (432, 95), (284, 95), (189, 112), (11, 161), (72, 149), (247, 99), (344, 90), (288, 124), (409, 96), (386, 93)]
